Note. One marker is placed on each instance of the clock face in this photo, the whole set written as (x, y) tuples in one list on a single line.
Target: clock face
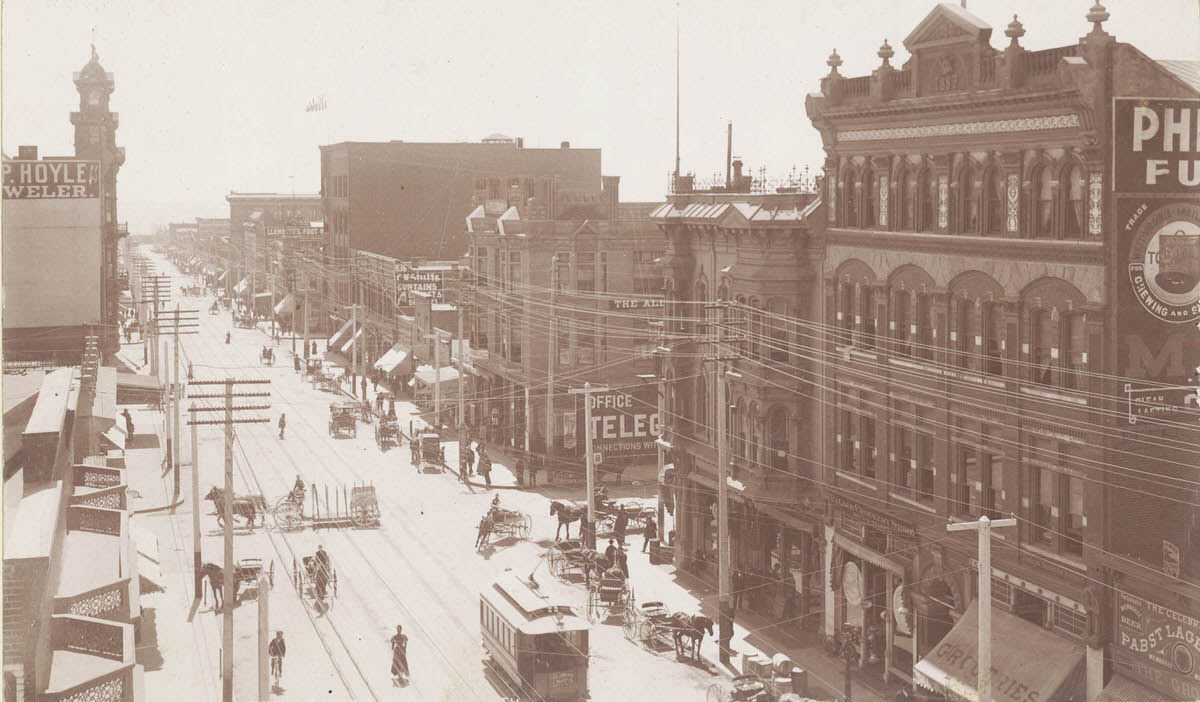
[(94, 97)]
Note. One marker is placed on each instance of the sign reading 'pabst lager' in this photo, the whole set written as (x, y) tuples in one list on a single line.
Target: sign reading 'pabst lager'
[(44, 180)]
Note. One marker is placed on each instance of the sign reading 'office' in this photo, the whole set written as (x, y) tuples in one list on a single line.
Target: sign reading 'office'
[(51, 180), (1156, 145)]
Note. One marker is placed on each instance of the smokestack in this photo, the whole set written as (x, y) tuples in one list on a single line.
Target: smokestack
[(565, 145), (729, 157), (27, 153)]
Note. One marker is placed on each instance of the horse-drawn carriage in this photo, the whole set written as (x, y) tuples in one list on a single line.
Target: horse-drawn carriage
[(609, 594), (362, 510), (246, 571), (364, 506), (362, 411), (570, 557), (320, 379), (427, 445), (650, 623), (387, 432), (510, 523), (341, 419), (315, 577), (191, 290), (214, 308), (635, 512), (267, 357), (244, 321)]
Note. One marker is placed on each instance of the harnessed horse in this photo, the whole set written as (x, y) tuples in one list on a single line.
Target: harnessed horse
[(693, 627), (567, 513), (243, 507)]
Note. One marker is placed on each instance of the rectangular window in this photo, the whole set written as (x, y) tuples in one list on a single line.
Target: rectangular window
[(993, 484), (924, 328), (867, 455), (1073, 521), (866, 318), (585, 272), (1042, 485), (906, 463), (847, 451), (925, 469), (961, 487)]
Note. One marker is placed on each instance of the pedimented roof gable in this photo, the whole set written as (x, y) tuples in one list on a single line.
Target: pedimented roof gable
[(948, 21)]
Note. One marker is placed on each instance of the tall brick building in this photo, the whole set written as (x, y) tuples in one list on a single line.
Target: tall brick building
[(984, 299)]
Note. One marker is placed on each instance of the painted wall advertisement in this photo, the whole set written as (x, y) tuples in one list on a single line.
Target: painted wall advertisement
[(1158, 646), (625, 423), (1154, 145), (410, 280), (51, 207)]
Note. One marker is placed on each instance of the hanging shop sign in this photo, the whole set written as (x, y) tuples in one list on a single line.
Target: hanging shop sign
[(878, 520), (410, 280), (294, 232), (1155, 147), (1149, 633), (852, 584)]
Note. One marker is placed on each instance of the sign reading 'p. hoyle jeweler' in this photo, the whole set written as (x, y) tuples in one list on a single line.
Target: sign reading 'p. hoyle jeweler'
[(51, 180)]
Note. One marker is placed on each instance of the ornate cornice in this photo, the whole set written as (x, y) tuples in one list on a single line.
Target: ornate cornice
[(1000, 247), (999, 126), (961, 102)]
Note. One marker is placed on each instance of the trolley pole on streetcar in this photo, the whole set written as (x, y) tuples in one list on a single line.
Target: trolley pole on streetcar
[(589, 525), (984, 526), (227, 422)]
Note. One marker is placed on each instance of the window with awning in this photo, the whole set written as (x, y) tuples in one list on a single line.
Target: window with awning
[(338, 338), (1024, 657), (394, 357), (284, 305)]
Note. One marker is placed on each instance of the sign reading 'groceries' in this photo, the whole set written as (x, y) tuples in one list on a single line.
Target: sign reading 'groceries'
[(51, 180), (624, 423)]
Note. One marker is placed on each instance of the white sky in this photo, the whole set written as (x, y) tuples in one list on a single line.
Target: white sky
[(211, 94)]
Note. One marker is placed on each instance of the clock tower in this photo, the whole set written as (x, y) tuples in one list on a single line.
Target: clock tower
[(96, 139)]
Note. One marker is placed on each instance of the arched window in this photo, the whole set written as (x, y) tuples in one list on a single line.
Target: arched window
[(870, 205), (1044, 336), (925, 340), (846, 312), (866, 316), (992, 323), (849, 200), (966, 324), (1075, 212), (901, 322), (778, 436), (928, 201), (993, 198), (1043, 204), (968, 202)]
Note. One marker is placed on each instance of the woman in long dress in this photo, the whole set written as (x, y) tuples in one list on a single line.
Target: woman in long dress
[(400, 653)]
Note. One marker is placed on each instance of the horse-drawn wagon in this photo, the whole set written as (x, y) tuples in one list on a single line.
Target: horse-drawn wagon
[(364, 506), (387, 432), (246, 571), (570, 557), (248, 507), (315, 577), (609, 594), (341, 419), (244, 321)]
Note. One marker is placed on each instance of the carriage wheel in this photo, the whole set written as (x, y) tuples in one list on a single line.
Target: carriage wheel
[(646, 630), (287, 516), (526, 527), (360, 514), (630, 626), (717, 693), (552, 560)]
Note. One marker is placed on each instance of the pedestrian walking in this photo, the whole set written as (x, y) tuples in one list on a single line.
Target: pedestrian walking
[(485, 468), (399, 655), (649, 533), (519, 471), (610, 553), (313, 348), (296, 363), (322, 571), (227, 337), (190, 370), (364, 387), (375, 382), (468, 459), (379, 404), (282, 423), (442, 455), (623, 561), (621, 525), (277, 649), (128, 423)]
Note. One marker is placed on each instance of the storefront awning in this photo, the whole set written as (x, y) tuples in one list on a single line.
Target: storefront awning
[(394, 357), (1122, 689), (337, 339), (284, 305), (350, 342), (222, 277), (1024, 656), (240, 287)]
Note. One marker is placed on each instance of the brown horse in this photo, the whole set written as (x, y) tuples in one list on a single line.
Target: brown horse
[(693, 627), (243, 507), (567, 513)]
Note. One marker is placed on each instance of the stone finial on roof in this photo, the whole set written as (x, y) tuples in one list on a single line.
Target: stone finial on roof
[(886, 52), (1097, 15), (1015, 30), (833, 61)]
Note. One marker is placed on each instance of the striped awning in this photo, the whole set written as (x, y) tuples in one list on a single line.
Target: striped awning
[(350, 342), (394, 357), (284, 305), (1122, 689), (337, 338), (240, 287)]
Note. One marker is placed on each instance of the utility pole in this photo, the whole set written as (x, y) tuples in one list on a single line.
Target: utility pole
[(175, 325), (196, 564), (354, 350), (984, 526), (264, 636), (725, 623), (156, 289), (462, 351), (228, 408), (271, 278), (306, 342), (589, 526), (551, 358)]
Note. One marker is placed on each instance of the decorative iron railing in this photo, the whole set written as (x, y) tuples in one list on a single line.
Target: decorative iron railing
[(116, 686), (106, 602)]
